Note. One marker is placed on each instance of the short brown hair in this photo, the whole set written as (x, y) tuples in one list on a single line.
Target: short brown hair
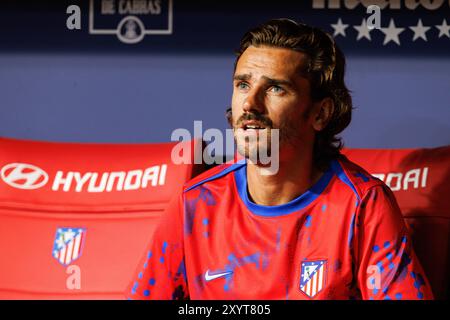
[(325, 69)]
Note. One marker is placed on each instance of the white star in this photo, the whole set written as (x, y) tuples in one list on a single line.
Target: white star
[(391, 33), (363, 31), (60, 242), (339, 28), (420, 30), (443, 29)]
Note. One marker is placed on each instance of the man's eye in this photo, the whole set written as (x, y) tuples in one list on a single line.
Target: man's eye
[(242, 85), (276, 89)]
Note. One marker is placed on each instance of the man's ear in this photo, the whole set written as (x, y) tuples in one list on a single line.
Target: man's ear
[(324, 110), (229, 116)]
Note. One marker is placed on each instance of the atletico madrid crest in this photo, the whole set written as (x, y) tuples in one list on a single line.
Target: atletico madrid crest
[(313, 277), (68, 244)]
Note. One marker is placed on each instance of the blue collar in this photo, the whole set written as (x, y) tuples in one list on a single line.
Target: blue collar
[(296, 204)]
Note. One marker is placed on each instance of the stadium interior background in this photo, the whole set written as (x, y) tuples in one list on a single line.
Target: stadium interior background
[(69, 85)]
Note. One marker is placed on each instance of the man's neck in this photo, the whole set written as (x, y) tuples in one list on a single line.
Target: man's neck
[(292, 180)]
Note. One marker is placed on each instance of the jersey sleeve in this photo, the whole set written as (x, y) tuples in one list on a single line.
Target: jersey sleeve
[(161, 273), (388, 267)]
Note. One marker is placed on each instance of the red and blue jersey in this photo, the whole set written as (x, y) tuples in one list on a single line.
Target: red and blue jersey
[(344, 238)]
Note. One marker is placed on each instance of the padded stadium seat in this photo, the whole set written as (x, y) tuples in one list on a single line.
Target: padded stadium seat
[(420, 180), (75, 218)]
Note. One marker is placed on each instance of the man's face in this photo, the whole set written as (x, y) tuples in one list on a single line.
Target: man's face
[(270, 93)]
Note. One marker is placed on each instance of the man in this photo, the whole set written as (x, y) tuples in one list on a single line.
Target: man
[(319, 227)]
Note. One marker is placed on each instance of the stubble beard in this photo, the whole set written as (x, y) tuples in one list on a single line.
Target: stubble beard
[(289, 137)]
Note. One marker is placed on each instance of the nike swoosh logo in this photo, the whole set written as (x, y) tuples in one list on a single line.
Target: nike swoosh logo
[(209, 277)]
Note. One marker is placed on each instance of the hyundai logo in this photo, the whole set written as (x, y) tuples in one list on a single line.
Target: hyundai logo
[(24, 176)]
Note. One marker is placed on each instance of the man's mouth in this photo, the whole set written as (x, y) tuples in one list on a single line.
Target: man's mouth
[(253, 125)]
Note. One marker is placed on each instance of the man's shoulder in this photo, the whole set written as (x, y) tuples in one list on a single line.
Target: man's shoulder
[(355, 177), (218, 172)]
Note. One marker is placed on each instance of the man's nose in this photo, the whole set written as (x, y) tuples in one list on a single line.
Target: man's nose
[(254, 102)]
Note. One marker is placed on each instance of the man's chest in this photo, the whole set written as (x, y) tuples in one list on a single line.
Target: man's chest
[(233, 254)]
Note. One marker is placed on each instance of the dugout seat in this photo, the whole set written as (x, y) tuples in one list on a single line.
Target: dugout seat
[(420, 180), (75, 218)]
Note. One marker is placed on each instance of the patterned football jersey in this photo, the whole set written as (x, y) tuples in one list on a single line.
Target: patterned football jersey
[(344, 238)]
